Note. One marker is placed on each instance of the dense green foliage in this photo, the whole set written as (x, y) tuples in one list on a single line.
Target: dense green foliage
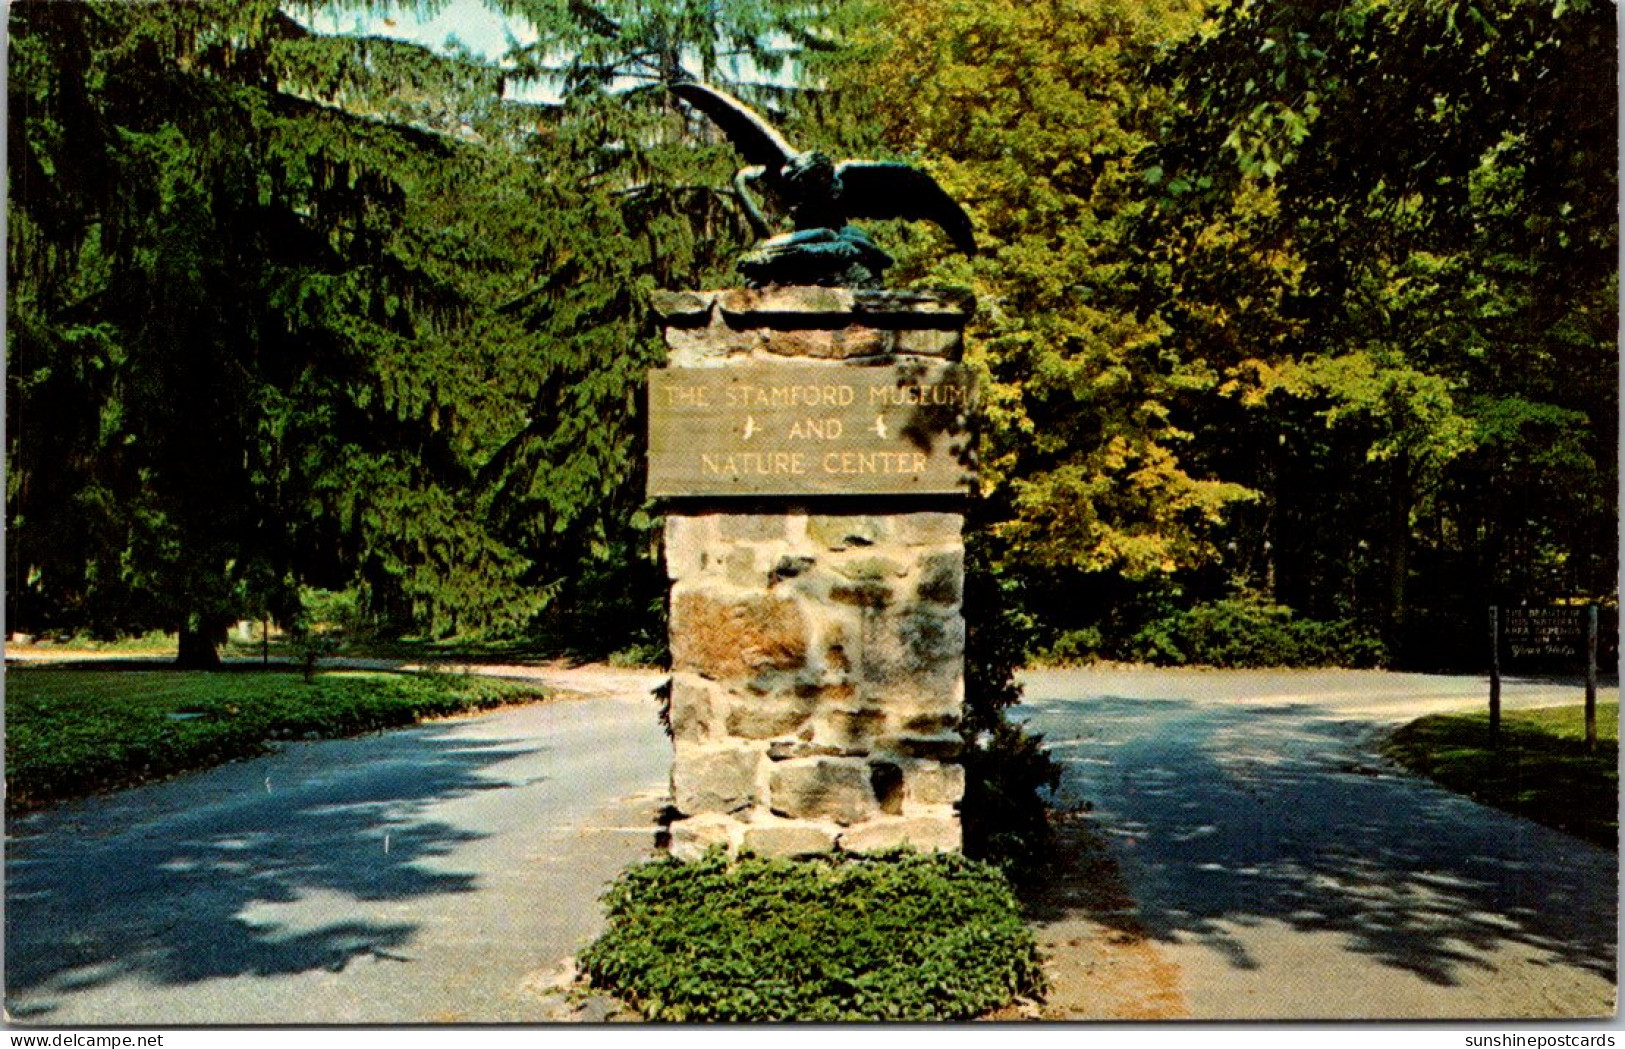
[(1309, 301), (71, 732), (1539, 768), (1242, 631), (900, 937), (1390, 229), (290, 309)]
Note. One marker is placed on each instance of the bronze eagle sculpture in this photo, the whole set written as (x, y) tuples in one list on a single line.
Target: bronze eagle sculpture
[(820, 197)]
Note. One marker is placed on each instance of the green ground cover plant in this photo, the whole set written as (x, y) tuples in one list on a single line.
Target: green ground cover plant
[(899, 936), (1540, 767), (71, 732)]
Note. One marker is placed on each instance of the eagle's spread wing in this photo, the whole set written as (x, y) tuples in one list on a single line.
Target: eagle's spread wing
[(880, 190), (755, 139)]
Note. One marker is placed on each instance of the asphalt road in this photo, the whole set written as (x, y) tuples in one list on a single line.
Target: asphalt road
[(427, 875), (1285, 872), (442, 873)]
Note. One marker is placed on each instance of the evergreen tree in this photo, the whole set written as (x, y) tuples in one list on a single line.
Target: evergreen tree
[(293, 310)]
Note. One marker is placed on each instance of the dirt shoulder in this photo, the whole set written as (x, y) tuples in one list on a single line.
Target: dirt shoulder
[(1098, 959)]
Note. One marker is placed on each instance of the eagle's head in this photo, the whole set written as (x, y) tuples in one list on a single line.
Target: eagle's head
[(809, 177)]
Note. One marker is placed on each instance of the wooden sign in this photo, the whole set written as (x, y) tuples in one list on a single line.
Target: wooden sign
[(809, 429), (1553, 632)]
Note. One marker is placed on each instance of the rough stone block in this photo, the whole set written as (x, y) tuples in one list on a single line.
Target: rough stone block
[(718, 778), (788, 840), (929, 833), (865, 594), (942, 577), (696, 708), (788, 749), (915, 650), (822, 788), (752, 527), (688, 540), (928, 529), (693, 837), (917, 709), (739, 566), (766, 717), (944, 746), (838, 532), (834, 344), (872, 566), (792, 567), (707, 347), (886, 780), (932, 723), (951, 306), (928, 342), (761, 305), (686, 307), (851, 728), (934, 783), (724, 636), (836, 639)]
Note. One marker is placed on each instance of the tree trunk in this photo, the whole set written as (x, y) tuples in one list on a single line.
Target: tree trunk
[(198, 646), (1399, 547)]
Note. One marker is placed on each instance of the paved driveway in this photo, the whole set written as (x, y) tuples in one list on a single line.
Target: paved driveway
[(1285, 871), (432, 874)]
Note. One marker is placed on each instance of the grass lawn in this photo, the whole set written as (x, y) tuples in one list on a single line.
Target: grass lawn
[(1541, 768), (71, 731)]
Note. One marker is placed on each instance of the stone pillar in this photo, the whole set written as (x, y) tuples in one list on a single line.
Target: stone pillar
[(817, 642)]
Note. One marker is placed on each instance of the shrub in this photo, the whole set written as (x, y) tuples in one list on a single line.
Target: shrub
[(1008, 777), (1083, 645), (897, 936), (1249, 632)]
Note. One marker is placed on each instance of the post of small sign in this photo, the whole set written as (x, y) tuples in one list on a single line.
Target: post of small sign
[(1541, 634), (1495, 673), (1591, 677)]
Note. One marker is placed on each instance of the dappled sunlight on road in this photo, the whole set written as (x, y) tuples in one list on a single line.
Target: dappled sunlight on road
[(356, 880), (1271, 839)]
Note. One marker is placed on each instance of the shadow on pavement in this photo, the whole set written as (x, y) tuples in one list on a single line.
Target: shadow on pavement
[(1229, 816), (270, 869)]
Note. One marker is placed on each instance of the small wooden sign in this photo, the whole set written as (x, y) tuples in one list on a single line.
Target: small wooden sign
[(810, 429), (1552, 632)]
